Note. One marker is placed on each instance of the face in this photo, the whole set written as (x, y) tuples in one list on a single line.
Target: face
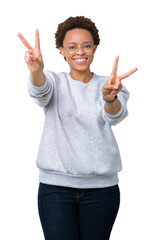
[(80, 60)]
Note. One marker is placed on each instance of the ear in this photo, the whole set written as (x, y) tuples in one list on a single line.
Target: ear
[(62, 51)]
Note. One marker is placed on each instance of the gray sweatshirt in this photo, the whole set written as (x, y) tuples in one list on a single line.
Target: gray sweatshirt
[(77, 148)]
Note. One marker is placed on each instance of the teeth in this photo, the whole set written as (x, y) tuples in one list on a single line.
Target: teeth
[(80, 60)]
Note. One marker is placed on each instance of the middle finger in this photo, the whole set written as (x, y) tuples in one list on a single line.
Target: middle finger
[(114, 70)]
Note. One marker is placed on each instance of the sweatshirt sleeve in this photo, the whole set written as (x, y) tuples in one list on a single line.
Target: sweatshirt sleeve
[(114, 119), (42, 94)]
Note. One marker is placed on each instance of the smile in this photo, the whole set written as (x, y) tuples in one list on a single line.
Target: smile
[(80, 60)]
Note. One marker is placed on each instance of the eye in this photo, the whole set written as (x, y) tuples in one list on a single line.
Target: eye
[(87, 46), (72, 47)]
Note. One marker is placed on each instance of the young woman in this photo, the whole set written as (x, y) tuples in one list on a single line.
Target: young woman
[(78, 157)]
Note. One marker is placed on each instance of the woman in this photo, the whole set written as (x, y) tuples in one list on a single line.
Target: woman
[(78, 157)]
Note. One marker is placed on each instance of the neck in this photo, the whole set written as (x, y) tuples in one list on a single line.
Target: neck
[(81, 76)]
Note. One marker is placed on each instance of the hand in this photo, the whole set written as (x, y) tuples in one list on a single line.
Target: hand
[(33, 56), (113, 85)]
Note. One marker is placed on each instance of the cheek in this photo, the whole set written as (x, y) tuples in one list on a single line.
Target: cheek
[(91, 58), (68, 59)]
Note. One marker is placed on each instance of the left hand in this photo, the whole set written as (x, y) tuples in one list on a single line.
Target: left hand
[(113, 85)]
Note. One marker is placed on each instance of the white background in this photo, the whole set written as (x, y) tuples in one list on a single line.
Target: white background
[(126, 29)]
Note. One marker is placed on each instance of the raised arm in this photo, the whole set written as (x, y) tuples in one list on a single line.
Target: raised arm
[(34, 60)]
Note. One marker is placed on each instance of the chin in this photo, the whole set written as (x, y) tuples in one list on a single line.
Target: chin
[(80, 67)]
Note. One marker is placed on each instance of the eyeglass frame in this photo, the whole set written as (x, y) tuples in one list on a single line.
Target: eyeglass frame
[(75, 51)]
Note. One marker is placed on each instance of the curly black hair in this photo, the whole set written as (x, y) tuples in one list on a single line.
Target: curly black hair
[(76, 22)]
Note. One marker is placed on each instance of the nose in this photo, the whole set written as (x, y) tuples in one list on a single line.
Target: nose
[(80, 50)]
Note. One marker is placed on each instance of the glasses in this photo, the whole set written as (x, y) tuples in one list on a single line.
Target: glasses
[(86, 47)]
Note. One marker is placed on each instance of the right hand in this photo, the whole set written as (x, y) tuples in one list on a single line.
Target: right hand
[(33, 56)]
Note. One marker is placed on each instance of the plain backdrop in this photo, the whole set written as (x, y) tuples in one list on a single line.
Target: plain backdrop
[(126, 28)]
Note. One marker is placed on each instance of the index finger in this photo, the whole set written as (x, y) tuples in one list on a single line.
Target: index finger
[(37, 40), (26, 44), (127, 74)]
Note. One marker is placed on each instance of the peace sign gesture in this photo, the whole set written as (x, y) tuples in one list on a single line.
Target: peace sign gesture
[(33, 56), (113, 85)]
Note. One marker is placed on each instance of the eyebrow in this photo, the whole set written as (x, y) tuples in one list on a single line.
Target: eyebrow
[(82, 43)]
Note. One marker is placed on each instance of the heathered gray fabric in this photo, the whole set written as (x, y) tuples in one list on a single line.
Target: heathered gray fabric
[(77, 148)]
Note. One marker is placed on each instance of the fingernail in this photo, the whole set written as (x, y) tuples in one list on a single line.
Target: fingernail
[(115, 87)]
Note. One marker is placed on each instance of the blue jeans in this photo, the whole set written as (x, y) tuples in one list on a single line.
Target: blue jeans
[(77, 214)]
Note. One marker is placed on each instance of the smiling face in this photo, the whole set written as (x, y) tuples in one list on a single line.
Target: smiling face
[(80, 60)]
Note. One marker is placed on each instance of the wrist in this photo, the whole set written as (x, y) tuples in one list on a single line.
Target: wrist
[(109, 101), (40, 71), (37, 78)]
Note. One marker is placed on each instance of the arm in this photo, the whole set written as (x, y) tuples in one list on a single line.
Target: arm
[(112, 114), (42, 94), (40, 87), (37, 79)]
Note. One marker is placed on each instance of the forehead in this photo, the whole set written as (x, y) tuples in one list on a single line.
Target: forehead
[(77, 35)]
